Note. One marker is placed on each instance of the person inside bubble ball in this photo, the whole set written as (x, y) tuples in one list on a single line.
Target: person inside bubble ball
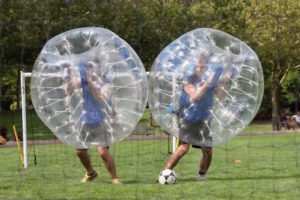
[(296, 117), (195, 102), (93, 116)]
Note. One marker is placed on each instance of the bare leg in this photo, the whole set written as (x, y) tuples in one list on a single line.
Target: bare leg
[(85, 160), (206, 159), (108, 161), (175, 157)]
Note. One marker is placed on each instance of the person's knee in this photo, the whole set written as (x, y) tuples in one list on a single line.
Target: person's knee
[(102, 151), (183, 149)]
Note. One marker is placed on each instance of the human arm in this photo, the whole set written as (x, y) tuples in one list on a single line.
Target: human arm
[(228, 78), (102, 94), (197, 93), (71, 85), (95, 91)]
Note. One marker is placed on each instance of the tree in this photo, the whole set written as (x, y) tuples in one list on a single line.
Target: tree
[(271, 28), (291, 90), (275, 30)]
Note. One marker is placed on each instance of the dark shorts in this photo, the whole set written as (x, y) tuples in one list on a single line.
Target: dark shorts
[(197, 134), (104, 147), (95, 132)]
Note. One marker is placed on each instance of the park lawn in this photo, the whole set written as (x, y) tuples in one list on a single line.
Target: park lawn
[(36, 130), (255, 126), (35, 127), (268, 168)]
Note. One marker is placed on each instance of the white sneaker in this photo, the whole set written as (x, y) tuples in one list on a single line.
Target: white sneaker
[(201, 177)]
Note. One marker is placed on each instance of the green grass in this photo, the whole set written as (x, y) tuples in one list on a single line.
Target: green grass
[(36, 130), (269, 169), (254, 127), (35, 127)]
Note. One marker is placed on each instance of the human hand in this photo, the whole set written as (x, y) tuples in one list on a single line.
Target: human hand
[(106, 91), (90, 81), (227, 77), (230, 76), (214, 77), (67, 74), (67, 78), (210, 78)]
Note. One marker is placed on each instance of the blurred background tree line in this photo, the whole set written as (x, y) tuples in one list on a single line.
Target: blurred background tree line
[(271, 28)]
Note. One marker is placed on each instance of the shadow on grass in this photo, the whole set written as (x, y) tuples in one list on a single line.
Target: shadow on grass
[(142, 182)]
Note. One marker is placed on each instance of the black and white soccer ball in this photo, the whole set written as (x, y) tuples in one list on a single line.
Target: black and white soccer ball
[(167, 176)]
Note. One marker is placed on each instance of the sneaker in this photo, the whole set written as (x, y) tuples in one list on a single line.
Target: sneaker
[(87, 177), (201, 177), (115, 181)]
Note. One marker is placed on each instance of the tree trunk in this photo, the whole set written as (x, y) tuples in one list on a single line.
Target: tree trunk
[(0, 91), (297, 95), (275, 105)]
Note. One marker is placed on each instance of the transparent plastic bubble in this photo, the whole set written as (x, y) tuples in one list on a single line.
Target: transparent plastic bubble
[(205, 87), (89, 87)]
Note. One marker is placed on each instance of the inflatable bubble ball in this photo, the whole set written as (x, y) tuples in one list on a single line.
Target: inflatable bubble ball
[(89, 87), (205, 87)]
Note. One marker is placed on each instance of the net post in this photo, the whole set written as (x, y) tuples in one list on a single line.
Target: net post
[(174, 143), (173, 119), (23, 95)]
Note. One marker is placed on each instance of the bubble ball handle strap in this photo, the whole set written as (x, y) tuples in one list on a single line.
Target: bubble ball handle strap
[(217, 73), (233, 75), (229, 77), (83, 75)]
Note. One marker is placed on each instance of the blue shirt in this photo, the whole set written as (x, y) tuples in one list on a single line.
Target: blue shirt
[(92, 110), (197, 110)]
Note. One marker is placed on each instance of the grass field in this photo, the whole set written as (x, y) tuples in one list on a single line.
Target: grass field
[(38, 131), (269, 169), (35, 128)]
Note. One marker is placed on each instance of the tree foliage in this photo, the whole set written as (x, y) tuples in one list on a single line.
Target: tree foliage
[(270, 27), (276, 29)]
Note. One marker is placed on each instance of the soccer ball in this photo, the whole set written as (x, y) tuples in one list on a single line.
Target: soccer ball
[(167, 176)]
